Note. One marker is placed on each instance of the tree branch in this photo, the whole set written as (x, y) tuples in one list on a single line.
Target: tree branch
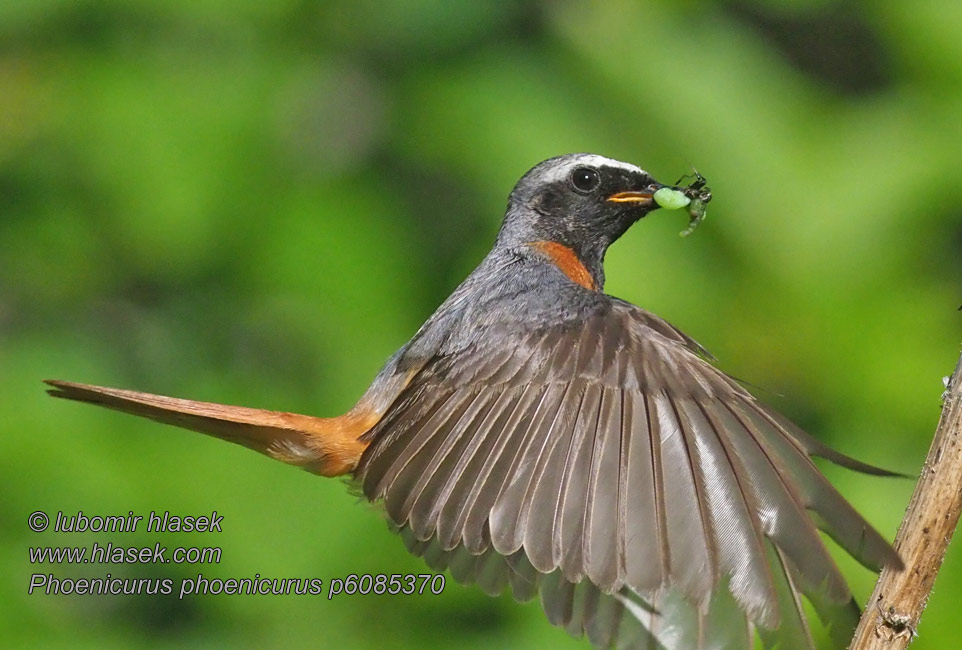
[(893, 611)]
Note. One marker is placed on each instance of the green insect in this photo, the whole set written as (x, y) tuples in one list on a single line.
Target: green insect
[(695, 196), (671, 199)]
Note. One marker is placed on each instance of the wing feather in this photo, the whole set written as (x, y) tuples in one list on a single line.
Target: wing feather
[(436, 479), (837, 517), (782, 510), (493, 437), (510, 514), (688, 541), (793, 632), (541, 536), (426, 444), (645, 546), (477, 529), (571, 523), (735, 515), (606, 465), (604, 532), (388, 455)]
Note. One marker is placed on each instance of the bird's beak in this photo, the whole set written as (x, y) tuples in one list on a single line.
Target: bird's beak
[(644, 198)]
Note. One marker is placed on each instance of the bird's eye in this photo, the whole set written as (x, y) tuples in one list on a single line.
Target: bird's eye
[(585, 180)]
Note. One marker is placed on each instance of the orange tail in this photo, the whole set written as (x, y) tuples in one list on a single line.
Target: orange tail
[(325, 446)]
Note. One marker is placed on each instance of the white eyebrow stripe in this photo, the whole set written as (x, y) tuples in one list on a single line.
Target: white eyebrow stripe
[(599, 161), (591, 160)]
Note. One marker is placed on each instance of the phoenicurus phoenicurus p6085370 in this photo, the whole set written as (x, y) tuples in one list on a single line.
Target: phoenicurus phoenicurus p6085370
[(539, 435)]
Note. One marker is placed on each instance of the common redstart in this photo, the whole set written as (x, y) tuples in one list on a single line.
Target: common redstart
[(540, 435)]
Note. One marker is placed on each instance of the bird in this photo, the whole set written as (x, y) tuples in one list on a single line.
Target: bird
[(540, 436)]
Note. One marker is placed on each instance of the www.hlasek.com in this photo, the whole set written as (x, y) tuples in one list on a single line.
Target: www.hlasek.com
[(111, 553)]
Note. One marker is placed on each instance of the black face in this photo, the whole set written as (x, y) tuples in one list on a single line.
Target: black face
[(582, 201)]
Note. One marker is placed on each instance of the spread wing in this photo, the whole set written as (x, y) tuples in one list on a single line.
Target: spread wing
[(608, 452), (626, 620)]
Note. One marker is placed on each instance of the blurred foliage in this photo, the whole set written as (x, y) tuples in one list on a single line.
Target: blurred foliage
[(258, 202)]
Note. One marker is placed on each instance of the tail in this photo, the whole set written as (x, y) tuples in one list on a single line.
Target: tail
[(325, 446)]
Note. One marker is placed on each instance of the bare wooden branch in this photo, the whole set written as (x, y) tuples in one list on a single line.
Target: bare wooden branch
[(892, 614)]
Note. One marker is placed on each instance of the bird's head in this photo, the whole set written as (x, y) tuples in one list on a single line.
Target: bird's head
[(583, 202)]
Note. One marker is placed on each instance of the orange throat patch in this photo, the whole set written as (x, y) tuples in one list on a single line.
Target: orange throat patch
[(567, 261)]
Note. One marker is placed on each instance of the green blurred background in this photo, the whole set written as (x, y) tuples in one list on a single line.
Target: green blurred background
[(257, 202)]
